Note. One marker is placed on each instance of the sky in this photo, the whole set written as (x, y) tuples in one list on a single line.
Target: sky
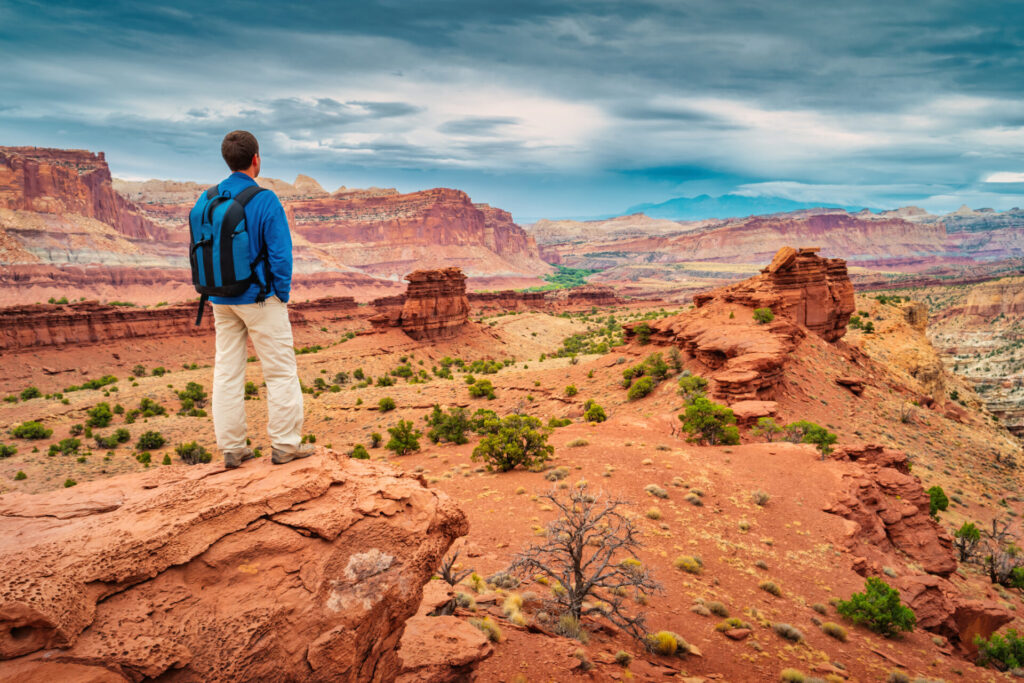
[(545, 108)]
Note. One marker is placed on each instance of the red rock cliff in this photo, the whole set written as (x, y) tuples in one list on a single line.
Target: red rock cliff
[(435, 305), (69, 181)]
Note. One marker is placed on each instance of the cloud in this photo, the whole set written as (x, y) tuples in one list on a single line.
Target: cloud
[(1005, 177), (484, 126)]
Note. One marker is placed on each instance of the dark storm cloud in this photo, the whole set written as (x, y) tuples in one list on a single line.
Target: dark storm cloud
[(632, 101)]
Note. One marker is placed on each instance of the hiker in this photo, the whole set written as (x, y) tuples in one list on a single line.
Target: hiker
[(241, 258)]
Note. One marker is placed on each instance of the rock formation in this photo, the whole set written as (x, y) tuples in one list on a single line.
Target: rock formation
[(435, 305), (745, 359), (306, 571), (889, 510), (813, 292), (57, 181)]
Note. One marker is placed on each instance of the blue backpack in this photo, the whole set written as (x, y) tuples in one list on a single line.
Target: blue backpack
[(219, 247)]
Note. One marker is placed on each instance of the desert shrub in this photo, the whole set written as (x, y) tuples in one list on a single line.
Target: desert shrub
[(792, 676), (803, 431), (20, 476), (770, 587), (1003, 652), (359, 452), (763, 315), (166, 460), (405, 438), (710, 423), (106, 442), (623, 658), (692, 387), (159, 371), (766, 428), (489, 628), (385, 381), (139, 371), (67, 446), (150, 408), (69, 482), (580, 559), (193, 399), (640, 388), (879, 608), (192, 453), (386, 404), (966, 540), (592, 412), (643, 333), (667, 643), (760, 498), (718, 609), (7, 451), (571, 390), (145, 458), (788, 631), (252, 391), (689, 564), (570, 627), (482, 388), (150, 440), (29, 393), (519, 440), (448, 426), (557, 474), (100, 415), (830, 628), (555, 422), (31, 430), (731, 623), (656, 491), (937, 501), (375, 439)]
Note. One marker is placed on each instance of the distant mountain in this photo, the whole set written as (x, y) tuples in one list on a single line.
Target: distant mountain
[(726, 206)]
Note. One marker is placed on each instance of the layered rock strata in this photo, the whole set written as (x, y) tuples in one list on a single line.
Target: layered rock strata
[(306, 571), (745, 359), (435, 305)]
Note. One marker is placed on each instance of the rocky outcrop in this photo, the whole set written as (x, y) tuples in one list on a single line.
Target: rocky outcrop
[(1004, 297), (942, 609), (888, 511), (36, 326), (435, 305), (73, 181), (812, 291), (745, 359), (306, 571)]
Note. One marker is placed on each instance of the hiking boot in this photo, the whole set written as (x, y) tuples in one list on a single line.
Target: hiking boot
[(280, 457), (235, 458)]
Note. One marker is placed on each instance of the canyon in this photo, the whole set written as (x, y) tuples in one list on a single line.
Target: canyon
[(67, 229)]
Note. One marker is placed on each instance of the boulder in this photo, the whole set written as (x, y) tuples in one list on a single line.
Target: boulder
[(748, 412), (440, 649), (854, 384), (941, 609), (305, 571)]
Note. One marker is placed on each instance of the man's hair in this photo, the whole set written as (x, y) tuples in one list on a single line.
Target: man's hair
[(238, 149)]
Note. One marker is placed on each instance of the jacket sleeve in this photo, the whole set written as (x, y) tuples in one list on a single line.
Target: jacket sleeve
[(279, 249)]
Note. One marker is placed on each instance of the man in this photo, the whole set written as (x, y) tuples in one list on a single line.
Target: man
[(260, 313)]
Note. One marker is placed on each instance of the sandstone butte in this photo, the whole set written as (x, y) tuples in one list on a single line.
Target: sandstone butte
[(64, 228), (306, 571), (745, 361), (435, 305)]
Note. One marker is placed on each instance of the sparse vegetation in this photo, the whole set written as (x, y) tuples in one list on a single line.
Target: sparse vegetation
[(709, 423), (592, 412), (879, 608), (193, 399), (150, 440), (32, 431), (667, 643), (519, 440), (405, 438), (763, 315), (100, 415), (589, 552), (830, 628), (770, 587), (192, 453), (386, 404), (359, 452)]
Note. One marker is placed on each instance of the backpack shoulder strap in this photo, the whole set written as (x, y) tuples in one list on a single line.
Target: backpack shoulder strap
[(212, 192), (248, 193)]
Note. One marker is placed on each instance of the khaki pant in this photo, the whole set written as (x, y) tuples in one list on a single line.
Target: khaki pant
[(271, 334)]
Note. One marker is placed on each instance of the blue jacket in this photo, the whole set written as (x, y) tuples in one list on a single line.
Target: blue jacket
[(266, 221)]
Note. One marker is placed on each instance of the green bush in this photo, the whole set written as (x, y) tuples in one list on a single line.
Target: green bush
[(404, 438), (20, 476), (763, 315), (555, 422), (643, 333), (69, 482), (359, 452), (100, 415), (482, 388), (193, 399), (451, 426), (1004, 652), (65, 447), (937, 501), (159, 372), (966, 540), (139, 371), (519, 440), (692, 387), (803, 431), (7, 451), (592, 412), (879, 608), (485, 421), (29, 393), (710, 423), (31, 430), (252, 391), (144, 458), (192, 453), (766, 428), (166, 460), (375, 439), (386, 404), (640, 388), (150, 440), (571, 390)]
